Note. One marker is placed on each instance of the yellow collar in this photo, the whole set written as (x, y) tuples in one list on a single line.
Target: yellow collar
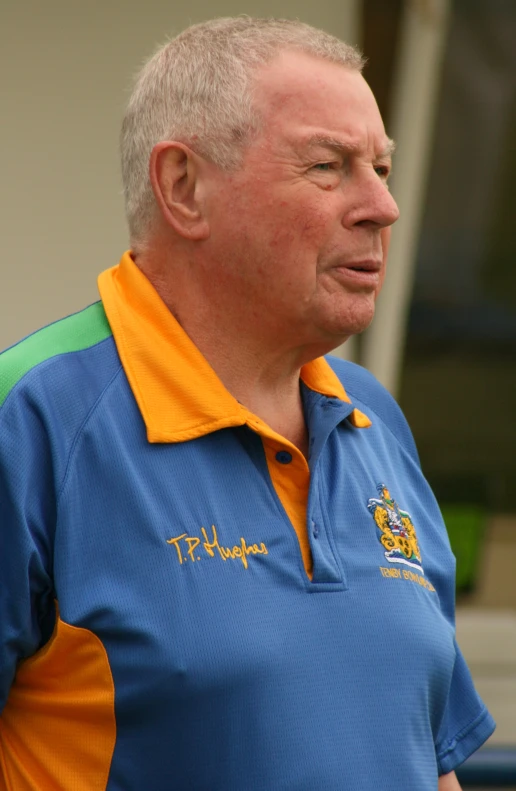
[(178, 393)]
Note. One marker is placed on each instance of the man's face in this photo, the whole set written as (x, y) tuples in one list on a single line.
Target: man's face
[(298, 228)]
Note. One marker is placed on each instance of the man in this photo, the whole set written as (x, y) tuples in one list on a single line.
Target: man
[(222, 566)]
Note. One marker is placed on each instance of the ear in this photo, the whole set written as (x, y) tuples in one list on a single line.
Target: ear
[(175, 177)]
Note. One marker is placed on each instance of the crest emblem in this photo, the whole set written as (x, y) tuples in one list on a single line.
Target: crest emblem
[(396, 531)]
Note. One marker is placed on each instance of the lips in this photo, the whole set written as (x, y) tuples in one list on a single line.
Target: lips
[(363, 274), (367, 265)]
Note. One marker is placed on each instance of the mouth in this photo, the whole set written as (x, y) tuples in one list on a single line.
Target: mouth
[(367, 265), (360, 275)]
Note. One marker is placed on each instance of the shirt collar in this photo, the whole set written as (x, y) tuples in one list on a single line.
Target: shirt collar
[(178, 393)]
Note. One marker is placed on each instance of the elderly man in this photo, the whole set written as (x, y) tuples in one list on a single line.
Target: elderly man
[(222, 566)]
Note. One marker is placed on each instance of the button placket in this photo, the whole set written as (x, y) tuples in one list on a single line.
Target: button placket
[(326, 569)]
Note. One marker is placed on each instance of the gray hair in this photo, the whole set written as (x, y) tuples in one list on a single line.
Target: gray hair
[(197, 89)]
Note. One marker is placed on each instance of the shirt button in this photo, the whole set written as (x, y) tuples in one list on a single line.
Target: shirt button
[(284, 457)]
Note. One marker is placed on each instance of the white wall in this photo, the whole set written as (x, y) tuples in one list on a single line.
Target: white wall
[(66, 69)]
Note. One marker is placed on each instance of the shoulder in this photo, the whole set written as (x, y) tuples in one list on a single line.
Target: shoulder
[(45, 360), (51, 381), (372, 398), (361, 385)]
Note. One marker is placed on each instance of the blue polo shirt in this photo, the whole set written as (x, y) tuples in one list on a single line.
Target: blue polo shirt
[(187, 602)]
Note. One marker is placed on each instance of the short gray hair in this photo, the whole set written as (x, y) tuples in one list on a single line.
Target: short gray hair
[(197, 89)]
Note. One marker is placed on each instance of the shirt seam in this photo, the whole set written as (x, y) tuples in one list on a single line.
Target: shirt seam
[(329, 529), (79, 432), (452, 743)]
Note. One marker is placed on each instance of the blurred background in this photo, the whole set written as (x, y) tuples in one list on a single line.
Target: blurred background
[(444, 339)]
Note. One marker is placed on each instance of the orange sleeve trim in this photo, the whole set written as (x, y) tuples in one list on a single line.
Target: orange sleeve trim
[(58, 728)]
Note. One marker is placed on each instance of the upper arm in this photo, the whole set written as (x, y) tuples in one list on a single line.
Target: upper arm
[(27, 516), (449, 782)]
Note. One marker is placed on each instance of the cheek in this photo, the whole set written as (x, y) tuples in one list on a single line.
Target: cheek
[(307, 230), (291, 227), (288, 228)]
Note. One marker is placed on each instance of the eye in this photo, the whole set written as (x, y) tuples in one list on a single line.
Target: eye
[(383, 171), (325, 167)]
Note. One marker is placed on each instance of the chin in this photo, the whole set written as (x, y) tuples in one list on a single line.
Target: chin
[(335, 323), (353, 322)]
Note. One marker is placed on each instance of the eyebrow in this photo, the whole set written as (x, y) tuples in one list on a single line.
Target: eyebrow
[(340, 146)]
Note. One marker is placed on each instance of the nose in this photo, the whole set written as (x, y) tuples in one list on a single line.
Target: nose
[(374, 205)]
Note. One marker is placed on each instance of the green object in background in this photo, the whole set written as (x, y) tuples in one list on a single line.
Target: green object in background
[(466, 526)]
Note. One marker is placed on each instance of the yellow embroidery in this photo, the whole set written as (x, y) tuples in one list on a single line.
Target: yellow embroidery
[(406, 575), (212, 548), (396, 531), (390, 572), (407, 544)]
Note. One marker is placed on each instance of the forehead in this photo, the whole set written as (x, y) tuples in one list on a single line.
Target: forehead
[(297, 93)]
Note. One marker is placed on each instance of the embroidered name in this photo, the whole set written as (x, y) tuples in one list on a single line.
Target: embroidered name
[(193, 548), (406, 575)]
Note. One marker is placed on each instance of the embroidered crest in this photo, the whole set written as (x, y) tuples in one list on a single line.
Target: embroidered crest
[(396, 532)]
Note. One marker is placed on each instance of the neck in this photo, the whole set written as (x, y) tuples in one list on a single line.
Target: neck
[(265, 381), (259, 372)]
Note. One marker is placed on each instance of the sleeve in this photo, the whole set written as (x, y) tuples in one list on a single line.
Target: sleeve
[(466, 722), (27, 517)]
